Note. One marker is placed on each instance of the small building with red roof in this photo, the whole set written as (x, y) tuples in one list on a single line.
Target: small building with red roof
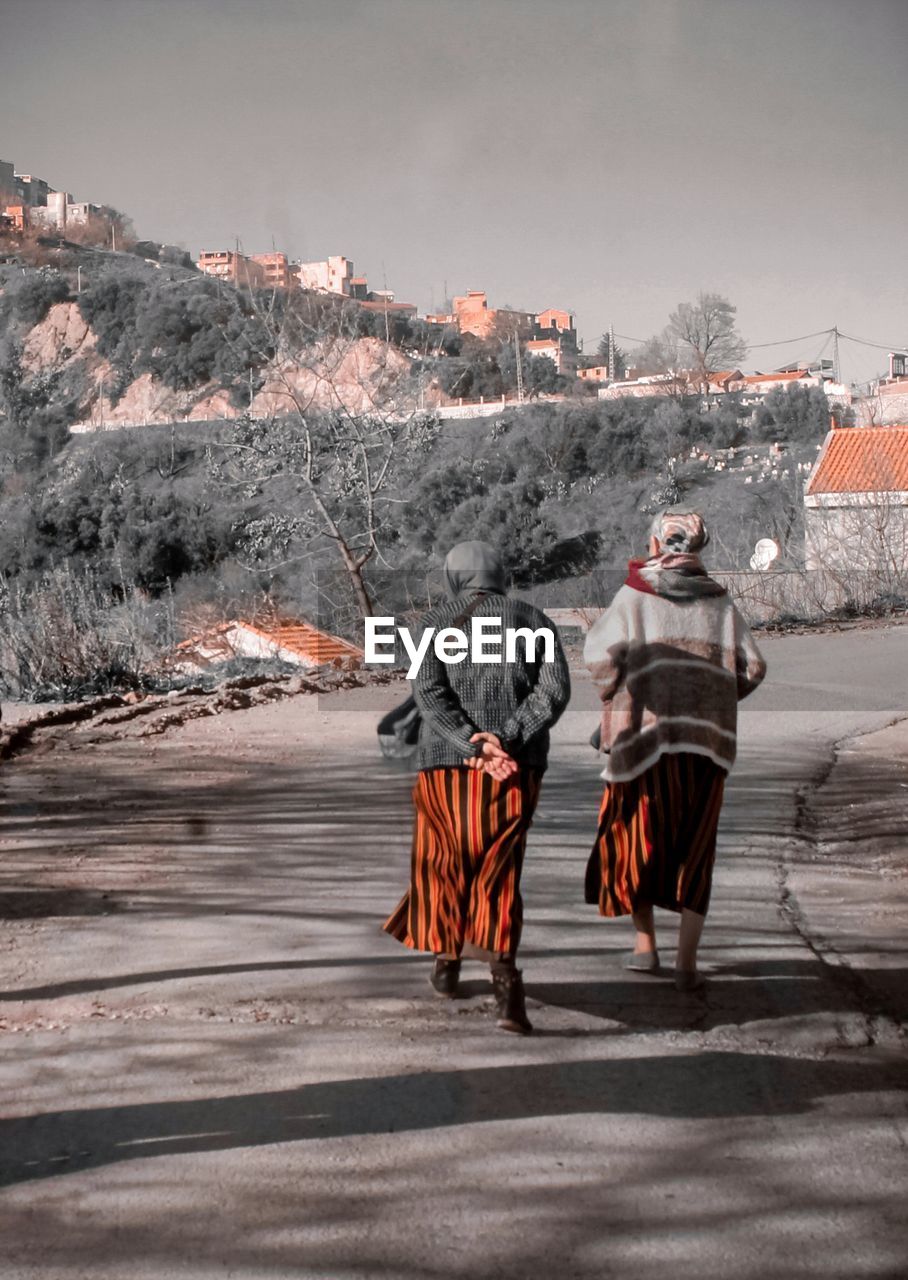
[(288, 640), (856, 501)]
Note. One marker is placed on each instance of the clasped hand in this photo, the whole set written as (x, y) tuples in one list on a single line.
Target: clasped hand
[(492, 757)]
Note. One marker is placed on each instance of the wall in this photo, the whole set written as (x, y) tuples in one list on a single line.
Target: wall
[(331, 276), (869, 532)]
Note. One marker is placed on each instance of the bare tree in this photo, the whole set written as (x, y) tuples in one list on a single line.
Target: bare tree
[(336, 421), (706, 336)]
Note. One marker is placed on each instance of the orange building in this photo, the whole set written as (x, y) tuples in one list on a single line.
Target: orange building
[(276, 269), (15, 217), (562, 321), (235, 268), (472, 314)]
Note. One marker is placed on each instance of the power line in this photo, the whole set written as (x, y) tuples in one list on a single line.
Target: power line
[(783, 342), (751, 346), (804, 337), (889, 346)]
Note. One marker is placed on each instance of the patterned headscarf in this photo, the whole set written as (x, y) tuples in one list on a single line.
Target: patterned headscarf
[(680, 531)]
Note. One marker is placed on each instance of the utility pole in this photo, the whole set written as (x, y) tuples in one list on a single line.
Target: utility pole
[(611, 353), (519, 368), (835, 353), (78, 279)]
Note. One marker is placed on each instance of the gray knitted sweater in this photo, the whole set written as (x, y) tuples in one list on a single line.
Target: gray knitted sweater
[(517, 700)]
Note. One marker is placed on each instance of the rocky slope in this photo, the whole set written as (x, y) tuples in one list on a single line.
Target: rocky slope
[(359, 375)]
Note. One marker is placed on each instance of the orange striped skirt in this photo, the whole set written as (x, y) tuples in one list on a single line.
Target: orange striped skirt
[(468, 845), (656, 843)]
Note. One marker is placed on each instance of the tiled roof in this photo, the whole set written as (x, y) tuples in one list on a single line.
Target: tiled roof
[(307, 641), (388, 306), (312, 646), (777, 377), (862, 460)]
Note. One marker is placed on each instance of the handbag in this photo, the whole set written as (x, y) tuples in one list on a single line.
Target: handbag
[(398, 731)]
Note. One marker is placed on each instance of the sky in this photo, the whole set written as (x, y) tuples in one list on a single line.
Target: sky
[(611, 157)]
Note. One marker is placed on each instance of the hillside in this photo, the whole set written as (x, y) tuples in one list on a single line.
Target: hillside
[(109, 339), (355, 374), (243, 468)]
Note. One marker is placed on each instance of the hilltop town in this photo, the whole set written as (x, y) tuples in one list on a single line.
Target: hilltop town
[(549, 359)]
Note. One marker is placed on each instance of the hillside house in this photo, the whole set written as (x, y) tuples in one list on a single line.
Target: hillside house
[(276, 270), (554, 350), (334, 275), (596, 373), (472, 314), (856, 501), (888, 398), (234, 268)]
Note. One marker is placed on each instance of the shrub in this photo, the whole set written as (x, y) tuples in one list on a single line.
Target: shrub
[(111, 307), (797, 414), (66, 637), (37, 294)]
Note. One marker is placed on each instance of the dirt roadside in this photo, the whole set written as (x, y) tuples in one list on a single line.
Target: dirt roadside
[(846, 884)]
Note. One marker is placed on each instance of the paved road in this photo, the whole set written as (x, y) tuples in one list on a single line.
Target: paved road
[(213, 1064)]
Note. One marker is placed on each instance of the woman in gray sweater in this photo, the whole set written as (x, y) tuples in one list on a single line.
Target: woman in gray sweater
[(483, 749)]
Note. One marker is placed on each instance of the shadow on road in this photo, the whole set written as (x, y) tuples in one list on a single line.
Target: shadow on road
[(697, 1086), (328, 841)]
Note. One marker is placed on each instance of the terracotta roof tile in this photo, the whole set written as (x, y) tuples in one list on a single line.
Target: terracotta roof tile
[(312, 646), (794, 376), (308, 641), (862, 460)]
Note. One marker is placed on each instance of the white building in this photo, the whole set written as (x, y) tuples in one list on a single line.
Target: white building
[(856, 502), (887, 400), (331, 276)]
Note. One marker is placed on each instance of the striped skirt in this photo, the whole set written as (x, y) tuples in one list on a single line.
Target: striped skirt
[(468, 845), (656, 843)]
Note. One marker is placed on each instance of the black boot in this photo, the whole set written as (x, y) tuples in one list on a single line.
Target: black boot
[(445, 976), (510, 1003)]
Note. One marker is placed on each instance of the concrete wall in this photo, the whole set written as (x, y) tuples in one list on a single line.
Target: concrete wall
[(862, 536), (887, 406)]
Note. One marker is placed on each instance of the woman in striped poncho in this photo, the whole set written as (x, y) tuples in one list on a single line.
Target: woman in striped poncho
[(672, 656)]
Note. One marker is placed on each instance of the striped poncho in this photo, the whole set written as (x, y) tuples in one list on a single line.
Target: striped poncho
[(672, 656)]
